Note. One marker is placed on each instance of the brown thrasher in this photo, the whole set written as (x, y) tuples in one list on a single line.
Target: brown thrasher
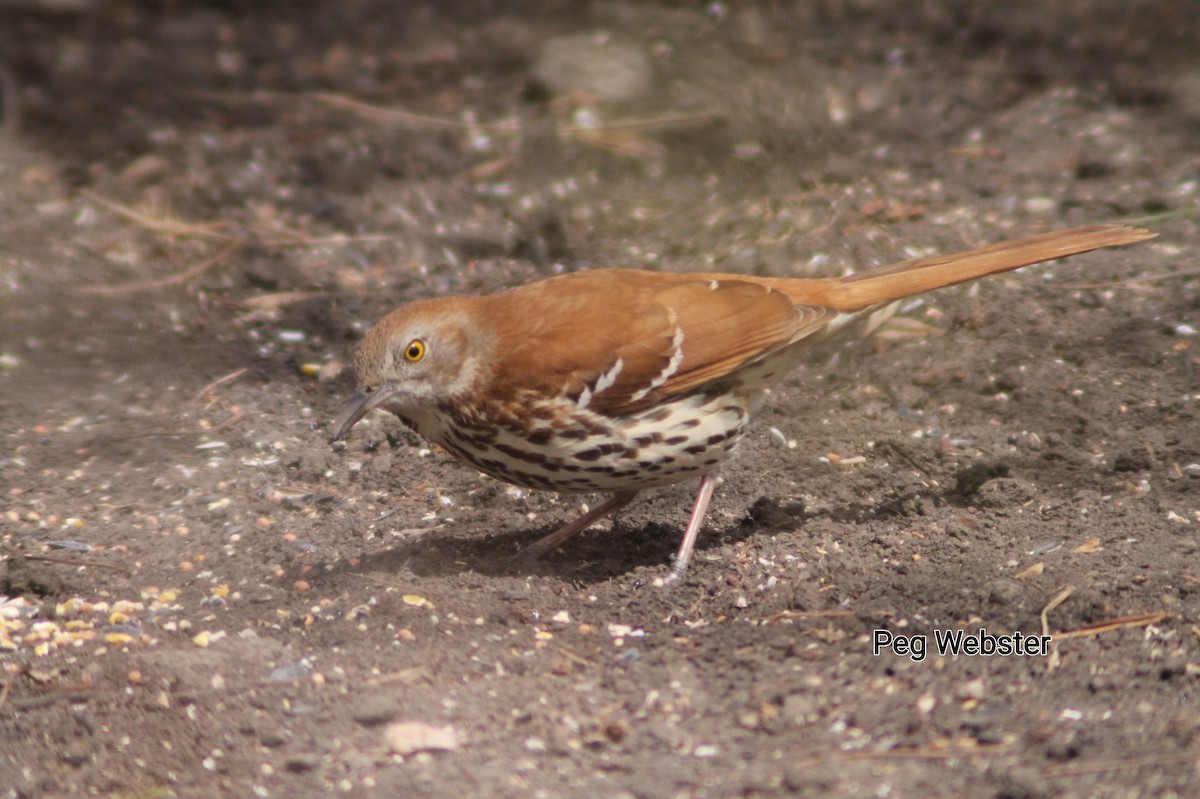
[(619, 380)]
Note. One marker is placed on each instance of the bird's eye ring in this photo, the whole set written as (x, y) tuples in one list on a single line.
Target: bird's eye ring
[(415, 350)]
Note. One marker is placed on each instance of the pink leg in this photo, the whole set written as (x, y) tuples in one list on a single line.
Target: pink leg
[(684, 556), (568, 531)]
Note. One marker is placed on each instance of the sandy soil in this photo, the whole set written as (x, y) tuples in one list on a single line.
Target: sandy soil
[(202, 209)]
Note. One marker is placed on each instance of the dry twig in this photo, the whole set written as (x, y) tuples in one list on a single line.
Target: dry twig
[(234, 375), (1062, 597), (1128, 281), (1131, 620), (806, 614), (1127, 764), (163, 225), (158, 283)]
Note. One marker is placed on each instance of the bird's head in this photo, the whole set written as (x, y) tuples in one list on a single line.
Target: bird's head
[(416, 356)]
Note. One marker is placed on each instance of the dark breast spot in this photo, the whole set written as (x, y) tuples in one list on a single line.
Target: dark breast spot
[(675, 441), (476, 438), (520, 454), (596, 452), (532, 480), (657, 415), (540, 437)]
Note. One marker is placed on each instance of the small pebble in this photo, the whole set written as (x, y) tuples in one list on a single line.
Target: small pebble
[(73, 546), (291, 672), (1040, 205), (1046, 547), (973, 689)]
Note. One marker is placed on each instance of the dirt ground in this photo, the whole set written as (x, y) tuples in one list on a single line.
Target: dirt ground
[(204, 205)]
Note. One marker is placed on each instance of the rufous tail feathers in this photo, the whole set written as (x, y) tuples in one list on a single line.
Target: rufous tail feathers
[(865, 289)]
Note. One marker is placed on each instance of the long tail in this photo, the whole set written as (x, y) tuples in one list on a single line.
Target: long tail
[(865, 289)]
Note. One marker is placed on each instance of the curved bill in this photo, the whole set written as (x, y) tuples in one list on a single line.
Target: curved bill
[(359, 405)]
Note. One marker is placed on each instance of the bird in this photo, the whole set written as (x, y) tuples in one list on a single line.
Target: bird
[(622, 380)]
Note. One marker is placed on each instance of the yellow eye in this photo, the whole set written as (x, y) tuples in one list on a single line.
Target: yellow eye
[(415, 350)]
